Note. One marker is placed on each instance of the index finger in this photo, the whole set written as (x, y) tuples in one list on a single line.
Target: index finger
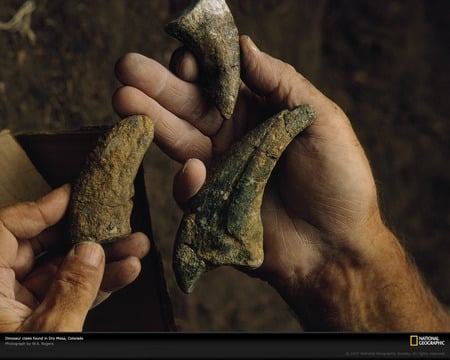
[(24, 221), (182, 98), (28, 219)]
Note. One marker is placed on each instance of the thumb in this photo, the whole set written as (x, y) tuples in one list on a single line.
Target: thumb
[(188, 181), (277, 81), (268, 76), (73, 290), (283, 87)]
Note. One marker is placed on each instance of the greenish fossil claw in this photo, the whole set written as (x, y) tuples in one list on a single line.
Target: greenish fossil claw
[(222, 222)]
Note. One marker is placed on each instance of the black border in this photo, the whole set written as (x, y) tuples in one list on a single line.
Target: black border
[(221, 345)]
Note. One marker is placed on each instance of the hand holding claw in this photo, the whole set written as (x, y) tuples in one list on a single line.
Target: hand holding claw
[(326, 249), (43, 288)]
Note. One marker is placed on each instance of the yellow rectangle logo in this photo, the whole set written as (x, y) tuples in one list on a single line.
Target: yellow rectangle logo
[(413, 340)]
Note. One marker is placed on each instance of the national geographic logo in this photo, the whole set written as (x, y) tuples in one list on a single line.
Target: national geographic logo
[(416, 340)]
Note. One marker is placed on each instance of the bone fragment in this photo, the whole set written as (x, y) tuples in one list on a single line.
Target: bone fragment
[(207, 29), (101, 200), (222, 223)]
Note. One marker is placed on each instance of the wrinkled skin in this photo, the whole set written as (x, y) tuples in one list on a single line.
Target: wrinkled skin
[(44, 287), (326, 249)]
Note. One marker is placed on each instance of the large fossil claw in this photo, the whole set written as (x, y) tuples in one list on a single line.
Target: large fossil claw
[(207, 29), (101, 201), (222, 223)]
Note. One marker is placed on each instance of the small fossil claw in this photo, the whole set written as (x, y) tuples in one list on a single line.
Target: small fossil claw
[(101, 200), (222, 222), (208, 30)]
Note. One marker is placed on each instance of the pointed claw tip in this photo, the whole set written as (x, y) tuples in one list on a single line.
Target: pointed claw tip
[(188, 267), (208, 30)]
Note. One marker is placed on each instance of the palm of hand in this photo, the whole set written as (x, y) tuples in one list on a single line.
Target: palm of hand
[(23, 290), (321, 190)]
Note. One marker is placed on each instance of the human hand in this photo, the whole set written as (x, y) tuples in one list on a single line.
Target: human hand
[(44, 290), (321, 191), (323, 232)]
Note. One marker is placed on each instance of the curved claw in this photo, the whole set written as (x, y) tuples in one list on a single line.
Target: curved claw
[(101, 200), (222, 222), (208, 30)]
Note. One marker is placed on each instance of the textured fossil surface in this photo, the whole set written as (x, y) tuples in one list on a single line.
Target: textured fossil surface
[(222, 223), (101, 200), (207, 29)]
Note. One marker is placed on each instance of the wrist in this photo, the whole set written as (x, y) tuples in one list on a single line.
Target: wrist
[(350, 291), (378, 290)]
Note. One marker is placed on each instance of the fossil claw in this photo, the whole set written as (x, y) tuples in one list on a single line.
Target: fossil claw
[(101, 200), (208, 30), (222, 222)]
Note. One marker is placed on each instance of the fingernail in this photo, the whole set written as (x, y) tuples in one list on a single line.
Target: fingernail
[(66, 187), (185, 166), (89, 252), (251, 44), (188, 69)]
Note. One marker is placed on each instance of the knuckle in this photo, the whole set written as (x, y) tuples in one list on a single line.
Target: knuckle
[(77, 281)]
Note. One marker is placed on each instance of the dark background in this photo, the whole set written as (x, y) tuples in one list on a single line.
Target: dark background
[(385, 62)]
